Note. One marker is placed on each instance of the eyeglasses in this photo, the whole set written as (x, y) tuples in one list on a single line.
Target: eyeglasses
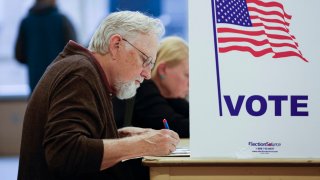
[(147, 61)]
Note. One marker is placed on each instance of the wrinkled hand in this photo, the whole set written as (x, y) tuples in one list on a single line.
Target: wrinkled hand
[(160, 142), (132, 131)]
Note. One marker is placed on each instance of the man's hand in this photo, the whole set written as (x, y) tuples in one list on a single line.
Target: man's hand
[(160, 142), (139, 142)]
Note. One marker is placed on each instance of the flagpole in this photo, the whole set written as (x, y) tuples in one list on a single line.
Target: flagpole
[(216, 56)]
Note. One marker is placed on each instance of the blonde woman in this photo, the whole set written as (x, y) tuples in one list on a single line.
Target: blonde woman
[(163, 97)]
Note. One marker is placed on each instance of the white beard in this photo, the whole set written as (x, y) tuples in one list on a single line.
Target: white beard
[(126, 90)]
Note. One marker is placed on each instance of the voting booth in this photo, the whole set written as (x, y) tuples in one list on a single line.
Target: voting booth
[(254, 78)]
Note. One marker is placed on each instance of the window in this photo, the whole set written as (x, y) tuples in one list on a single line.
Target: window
[(85, 16)]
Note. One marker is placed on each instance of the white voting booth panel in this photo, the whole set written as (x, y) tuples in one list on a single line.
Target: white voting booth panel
[(254, 78)]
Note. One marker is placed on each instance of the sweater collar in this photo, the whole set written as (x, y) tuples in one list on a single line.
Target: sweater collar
[(78, 49)]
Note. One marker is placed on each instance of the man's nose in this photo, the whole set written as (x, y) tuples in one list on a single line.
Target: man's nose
[(146, 73)]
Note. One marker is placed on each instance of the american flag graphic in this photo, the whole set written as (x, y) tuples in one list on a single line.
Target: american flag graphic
[(255, 26)]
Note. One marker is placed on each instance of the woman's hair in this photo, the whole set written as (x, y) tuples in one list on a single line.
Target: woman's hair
[(172, 50), (126, 23)]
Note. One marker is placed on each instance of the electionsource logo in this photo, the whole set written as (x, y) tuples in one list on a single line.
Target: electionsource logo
[(263, 144), (264, 147)]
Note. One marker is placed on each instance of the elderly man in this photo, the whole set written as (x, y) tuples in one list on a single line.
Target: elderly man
[(69, 130)]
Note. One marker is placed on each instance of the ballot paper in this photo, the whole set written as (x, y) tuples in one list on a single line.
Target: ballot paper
[(181, 152)]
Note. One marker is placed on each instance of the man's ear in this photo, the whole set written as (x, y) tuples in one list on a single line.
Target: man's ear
[(114, 45)]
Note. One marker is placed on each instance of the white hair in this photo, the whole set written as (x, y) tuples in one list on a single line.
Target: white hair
[(125, 23)]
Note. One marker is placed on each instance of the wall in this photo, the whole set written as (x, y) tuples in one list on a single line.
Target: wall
[(11, 120)]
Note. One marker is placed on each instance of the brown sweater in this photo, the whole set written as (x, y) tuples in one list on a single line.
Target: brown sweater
[(68, 114)]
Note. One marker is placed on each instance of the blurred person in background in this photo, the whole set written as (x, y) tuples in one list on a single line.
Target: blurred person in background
[(42, 35), (164, 96)]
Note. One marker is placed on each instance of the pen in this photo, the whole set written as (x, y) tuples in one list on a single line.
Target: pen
[(165, 123)]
